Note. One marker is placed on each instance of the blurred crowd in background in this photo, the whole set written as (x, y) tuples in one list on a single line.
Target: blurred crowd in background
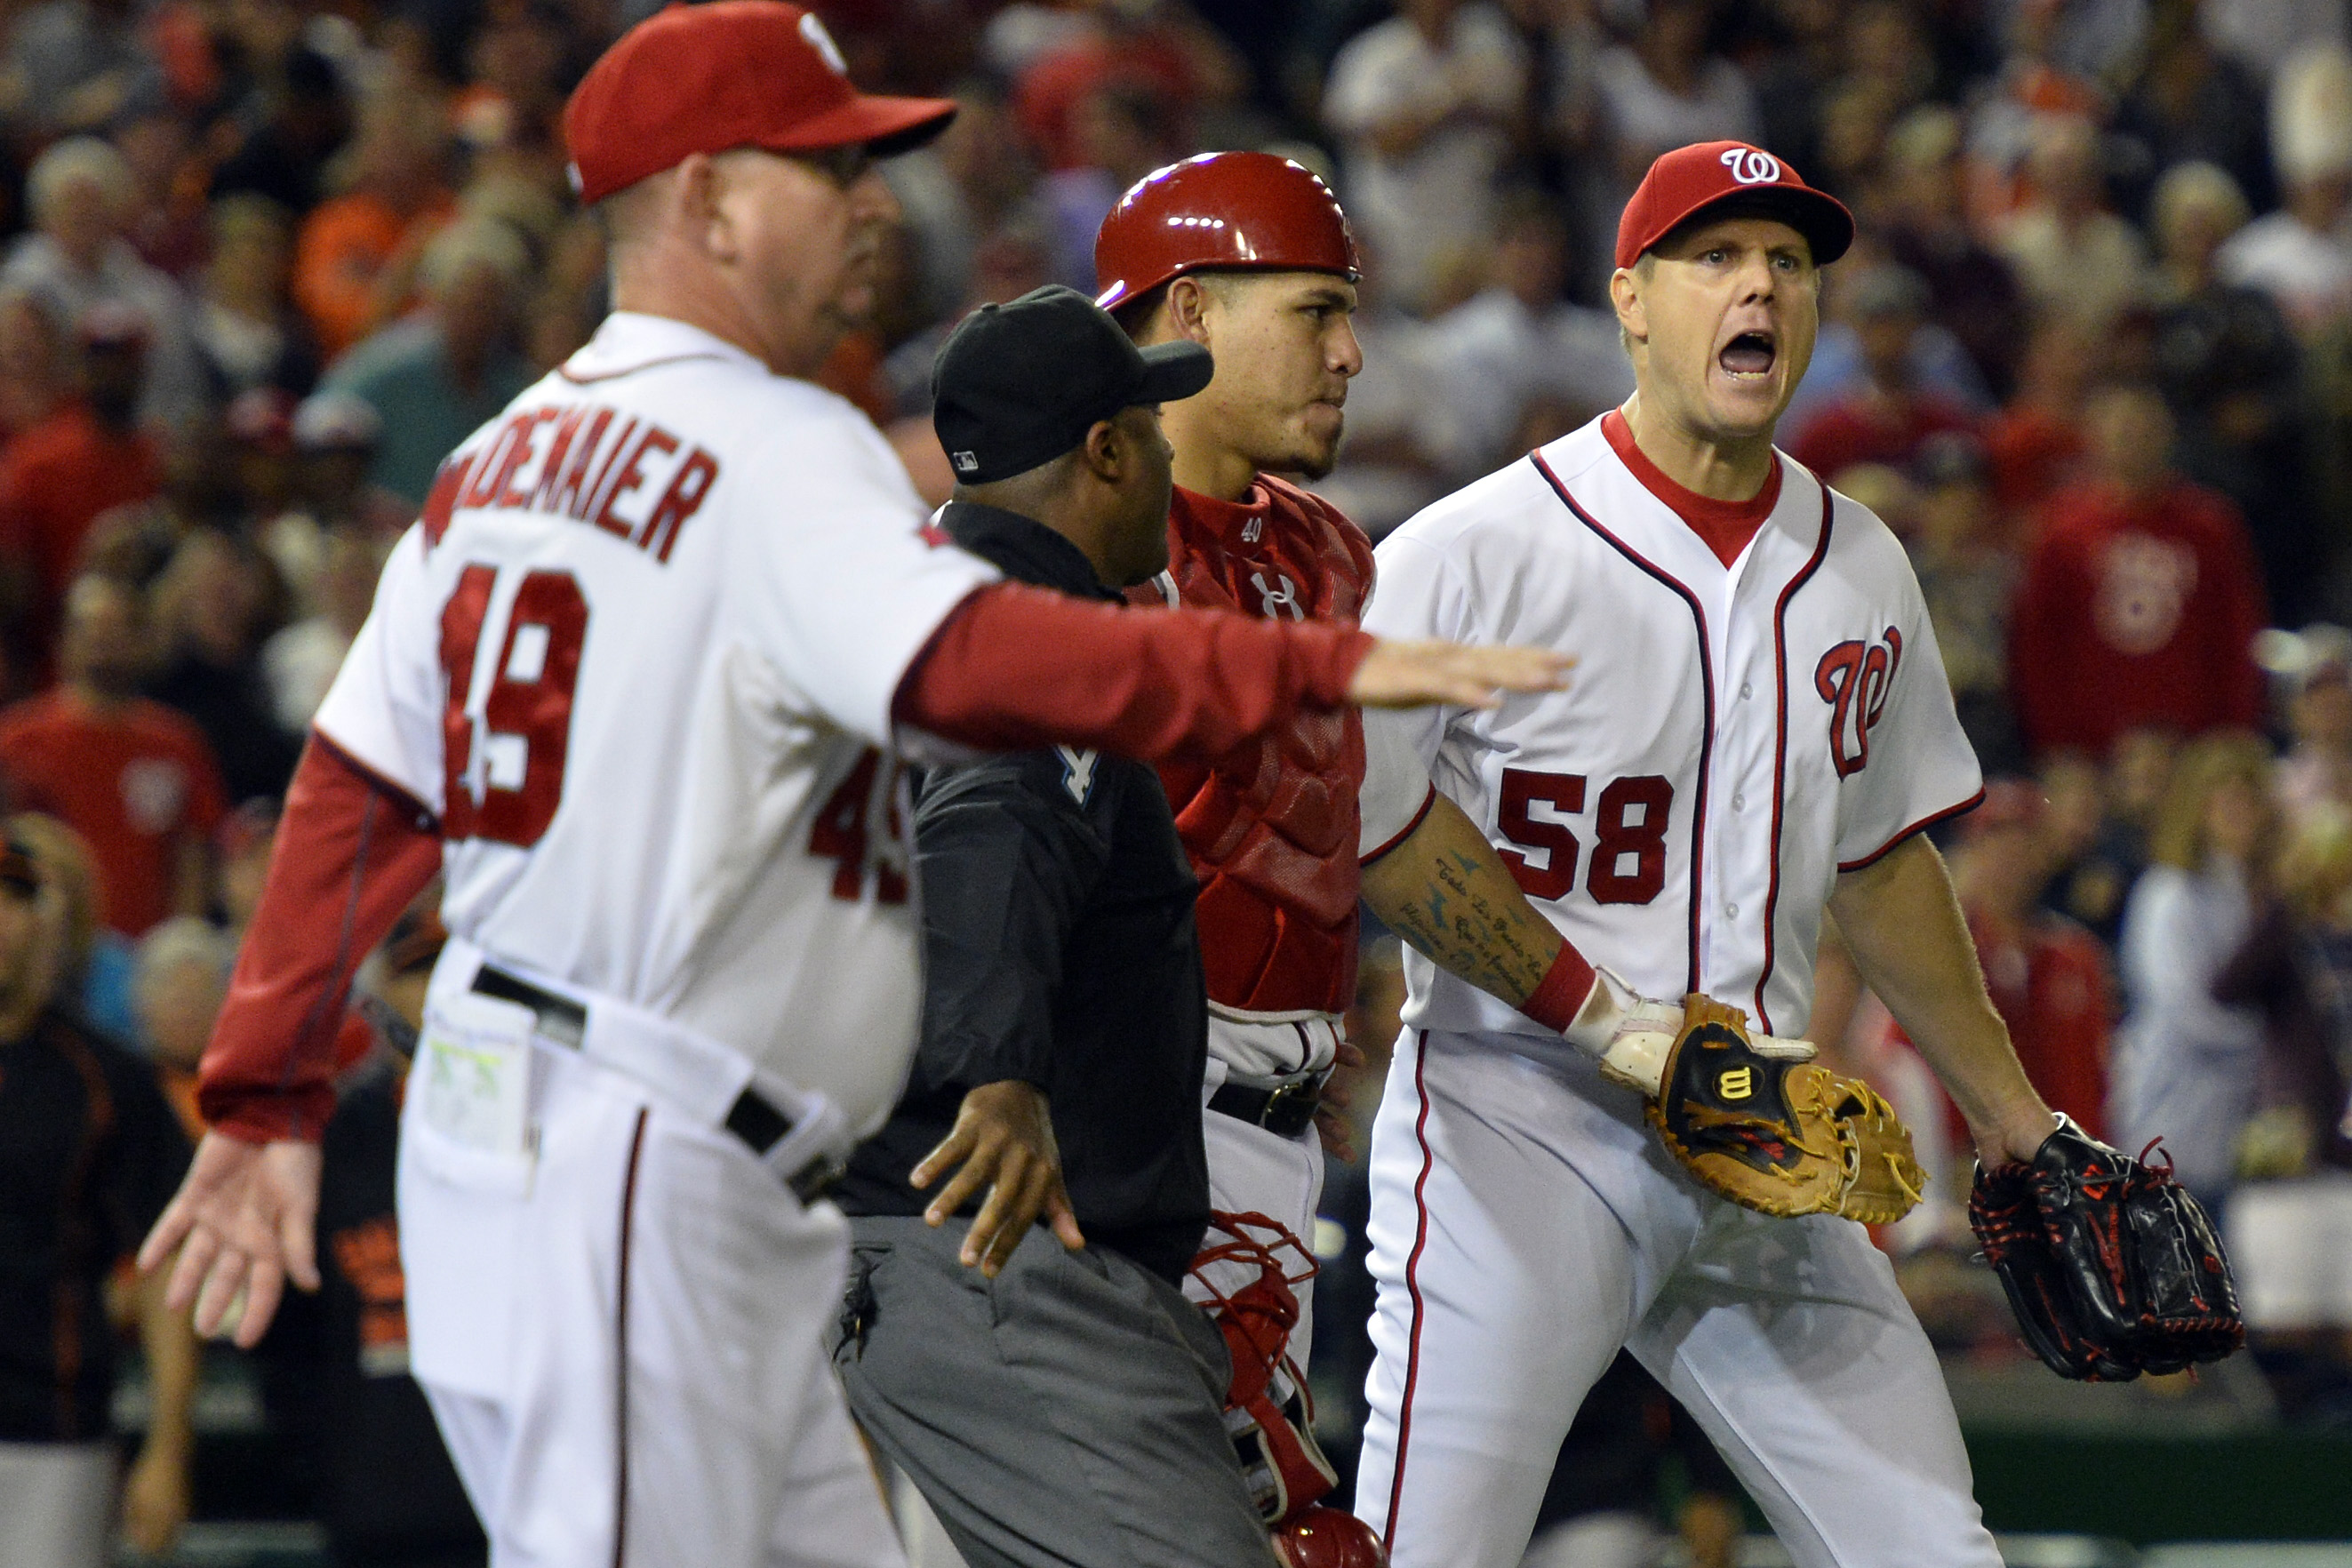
[(263, 262)]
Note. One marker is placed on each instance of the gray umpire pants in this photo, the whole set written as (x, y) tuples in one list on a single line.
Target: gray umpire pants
[(1068, 1412)]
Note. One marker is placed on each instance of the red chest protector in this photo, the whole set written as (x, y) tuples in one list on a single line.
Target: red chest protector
[(1271, 827)]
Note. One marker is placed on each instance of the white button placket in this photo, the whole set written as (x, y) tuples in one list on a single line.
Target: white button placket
[(1738, 845)]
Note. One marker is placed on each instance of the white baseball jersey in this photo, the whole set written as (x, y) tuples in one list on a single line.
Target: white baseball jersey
[(625, 656), (1730, 740)]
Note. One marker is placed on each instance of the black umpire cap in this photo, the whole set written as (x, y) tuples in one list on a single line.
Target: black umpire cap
[(1018, 384)]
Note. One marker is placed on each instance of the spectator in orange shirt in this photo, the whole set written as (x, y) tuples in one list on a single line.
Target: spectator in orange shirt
[(93, 1155), (88, 455), (354, 261), (133, 777), (2141, 598)]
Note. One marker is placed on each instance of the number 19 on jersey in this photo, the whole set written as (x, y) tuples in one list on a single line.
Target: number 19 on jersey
[(504, 770)]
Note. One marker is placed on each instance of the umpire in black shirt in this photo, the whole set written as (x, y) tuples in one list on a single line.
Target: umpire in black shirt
[(1047, 1385)]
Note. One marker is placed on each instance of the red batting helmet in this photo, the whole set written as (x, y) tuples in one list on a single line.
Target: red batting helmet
[(1249, 210), (1326, 1537)]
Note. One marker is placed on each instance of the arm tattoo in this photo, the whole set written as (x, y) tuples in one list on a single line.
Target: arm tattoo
[(1493, 939)]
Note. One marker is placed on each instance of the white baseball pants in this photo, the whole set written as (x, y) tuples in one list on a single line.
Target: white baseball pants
[(57, 1504), (619, 1335), (1525, 1225), (1253, 1171)]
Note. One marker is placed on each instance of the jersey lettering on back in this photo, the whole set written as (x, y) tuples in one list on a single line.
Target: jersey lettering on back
[(620, 660), (578, 461)]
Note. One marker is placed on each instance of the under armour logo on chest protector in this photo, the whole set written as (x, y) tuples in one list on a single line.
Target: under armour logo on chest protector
[(1278, 600)]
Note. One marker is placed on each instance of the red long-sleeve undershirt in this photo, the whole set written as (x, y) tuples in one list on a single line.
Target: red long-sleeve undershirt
[(1013, 667), (351, 852), (1017, 667)]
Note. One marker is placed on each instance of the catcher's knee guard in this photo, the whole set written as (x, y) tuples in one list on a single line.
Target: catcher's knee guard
[(1268, 1410), (1326, 1537)]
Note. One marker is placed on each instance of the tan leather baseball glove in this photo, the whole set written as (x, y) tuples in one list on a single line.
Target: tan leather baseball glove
[(1757, 1120)]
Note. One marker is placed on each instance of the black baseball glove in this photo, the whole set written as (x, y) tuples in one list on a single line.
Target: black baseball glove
[(2112, 1268)]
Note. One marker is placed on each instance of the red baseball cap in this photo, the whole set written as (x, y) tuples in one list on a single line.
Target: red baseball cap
[(1746, 181), (728, 74), (1251, 210)]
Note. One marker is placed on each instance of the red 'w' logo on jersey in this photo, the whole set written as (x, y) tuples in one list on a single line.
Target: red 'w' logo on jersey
[(1854, 678)]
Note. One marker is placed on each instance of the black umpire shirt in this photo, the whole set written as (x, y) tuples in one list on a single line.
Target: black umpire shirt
[(90, 1153), (1058, 949)]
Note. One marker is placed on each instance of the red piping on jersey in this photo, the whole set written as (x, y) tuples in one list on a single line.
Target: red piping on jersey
[(1781, 750), (1706, 680), (1412, 1285), (621, 1347), (566, 371), (1925, 822), (1409, 829)]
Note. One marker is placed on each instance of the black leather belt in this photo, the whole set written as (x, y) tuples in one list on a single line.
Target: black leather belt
[(753, 1118), (1285, 1111)]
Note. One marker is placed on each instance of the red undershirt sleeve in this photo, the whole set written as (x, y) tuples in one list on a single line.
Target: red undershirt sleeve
[(351, 852), (1566, 986), (1016, 666)]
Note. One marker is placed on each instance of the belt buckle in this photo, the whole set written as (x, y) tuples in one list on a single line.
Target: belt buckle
[(1290, 1109)]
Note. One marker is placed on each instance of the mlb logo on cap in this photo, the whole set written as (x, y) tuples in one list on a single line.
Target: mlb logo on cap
[(1729, 179)]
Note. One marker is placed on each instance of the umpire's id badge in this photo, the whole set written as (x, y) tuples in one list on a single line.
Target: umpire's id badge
[(473, 1071)]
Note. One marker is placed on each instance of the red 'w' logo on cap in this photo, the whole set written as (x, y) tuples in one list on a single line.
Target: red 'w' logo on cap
[(1750, 167)]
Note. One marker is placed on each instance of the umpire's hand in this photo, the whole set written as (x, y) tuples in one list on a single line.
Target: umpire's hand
[(1003, 1137)]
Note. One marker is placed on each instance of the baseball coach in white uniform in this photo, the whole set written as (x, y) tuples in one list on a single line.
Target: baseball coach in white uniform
[(1759, 730), (632, 684)]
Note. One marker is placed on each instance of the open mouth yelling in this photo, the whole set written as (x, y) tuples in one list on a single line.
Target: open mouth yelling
[(1749, 356)]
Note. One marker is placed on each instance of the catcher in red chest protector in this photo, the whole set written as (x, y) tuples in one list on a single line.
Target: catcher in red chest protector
[(1250, 256)]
